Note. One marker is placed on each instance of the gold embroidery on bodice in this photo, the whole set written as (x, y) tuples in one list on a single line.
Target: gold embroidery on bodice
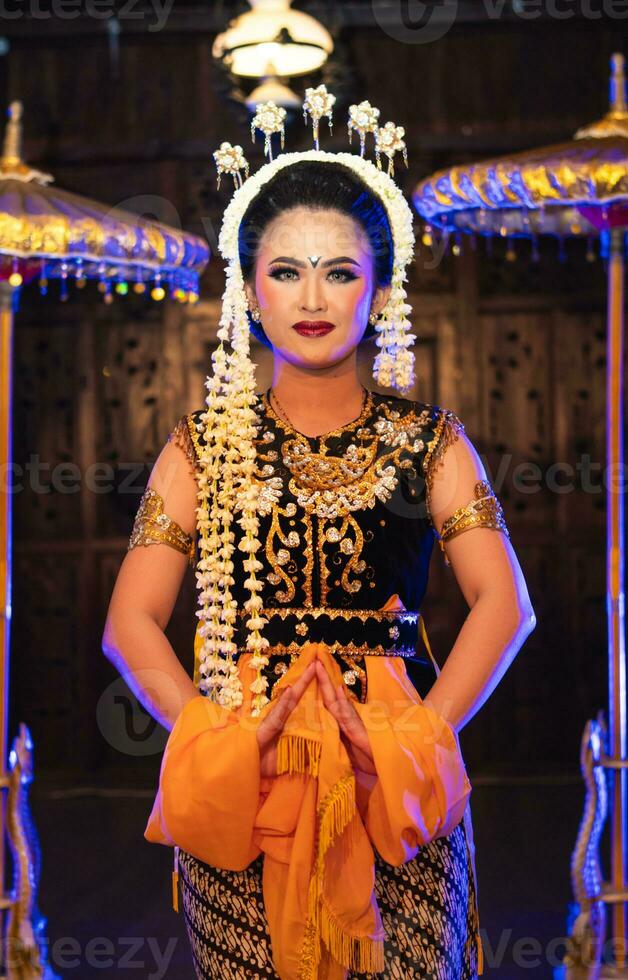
[(321, 500), (328, 489)]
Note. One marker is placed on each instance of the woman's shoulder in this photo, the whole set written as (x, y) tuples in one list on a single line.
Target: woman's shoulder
[(429, 429), (187, 433), (425, 416)]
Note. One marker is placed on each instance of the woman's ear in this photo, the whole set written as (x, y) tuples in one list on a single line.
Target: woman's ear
[(250, 296), (380, 298)]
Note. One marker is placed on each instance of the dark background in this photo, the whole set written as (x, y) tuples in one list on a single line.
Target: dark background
[(515, 348)]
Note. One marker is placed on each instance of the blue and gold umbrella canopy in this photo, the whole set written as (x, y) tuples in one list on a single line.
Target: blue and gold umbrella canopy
[(52, 233), (578, 188)]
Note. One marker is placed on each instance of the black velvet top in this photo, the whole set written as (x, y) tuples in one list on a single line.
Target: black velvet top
[(344, 520), (343, 516)]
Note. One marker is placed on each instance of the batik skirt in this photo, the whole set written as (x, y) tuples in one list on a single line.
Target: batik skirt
[(428, 908)]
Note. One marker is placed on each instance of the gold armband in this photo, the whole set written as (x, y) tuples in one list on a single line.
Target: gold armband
[(484, 510), (152, 526)]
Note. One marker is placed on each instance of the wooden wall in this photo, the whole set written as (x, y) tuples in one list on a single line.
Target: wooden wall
[(515, 348)]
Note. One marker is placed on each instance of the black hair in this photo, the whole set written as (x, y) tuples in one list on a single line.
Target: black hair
[(319, 185)]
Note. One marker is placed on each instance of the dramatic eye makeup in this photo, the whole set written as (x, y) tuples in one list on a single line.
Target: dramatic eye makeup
[(284, 263), (277, 272)]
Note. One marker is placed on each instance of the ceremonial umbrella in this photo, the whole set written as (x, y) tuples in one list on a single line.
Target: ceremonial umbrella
[(49, 233), (579, 188)]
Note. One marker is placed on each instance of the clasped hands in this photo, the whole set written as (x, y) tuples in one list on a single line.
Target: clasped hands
[(352, 731)]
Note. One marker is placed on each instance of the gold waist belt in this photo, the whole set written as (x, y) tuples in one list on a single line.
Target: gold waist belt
[(370, 632)]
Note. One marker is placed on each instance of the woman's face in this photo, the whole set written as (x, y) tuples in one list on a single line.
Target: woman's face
[(315, 267)]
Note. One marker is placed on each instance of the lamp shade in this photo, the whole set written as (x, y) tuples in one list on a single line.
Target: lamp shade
[(273, 39)]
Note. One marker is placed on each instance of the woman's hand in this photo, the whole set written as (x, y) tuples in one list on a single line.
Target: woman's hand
[(352, 730), (271, 727)]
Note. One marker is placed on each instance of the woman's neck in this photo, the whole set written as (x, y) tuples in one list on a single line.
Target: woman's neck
[(315, 403)]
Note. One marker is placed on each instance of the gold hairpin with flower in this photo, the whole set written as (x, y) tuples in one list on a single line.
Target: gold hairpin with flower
[(270, 119)]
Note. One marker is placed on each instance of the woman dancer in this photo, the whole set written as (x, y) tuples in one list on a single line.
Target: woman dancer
[(312, 785)]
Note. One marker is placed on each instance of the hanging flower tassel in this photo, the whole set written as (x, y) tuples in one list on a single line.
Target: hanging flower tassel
[(394, 364), (217, 608), (269, 118), (247, 493), (363, 118), (229, 460), (389, 140), (318, 102), (231, 160)]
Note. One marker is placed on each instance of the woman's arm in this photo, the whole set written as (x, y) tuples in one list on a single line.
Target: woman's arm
[(490, 577), (144, 595)]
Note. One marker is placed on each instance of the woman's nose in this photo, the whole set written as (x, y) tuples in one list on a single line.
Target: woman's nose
[(313, 296)]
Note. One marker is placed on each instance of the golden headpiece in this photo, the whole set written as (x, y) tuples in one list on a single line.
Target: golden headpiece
[(227, 486)]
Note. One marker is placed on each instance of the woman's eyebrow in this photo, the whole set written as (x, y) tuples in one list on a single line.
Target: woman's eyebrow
[(302, 265)]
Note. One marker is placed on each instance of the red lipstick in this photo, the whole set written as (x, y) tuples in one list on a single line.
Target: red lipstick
[(313, 328)]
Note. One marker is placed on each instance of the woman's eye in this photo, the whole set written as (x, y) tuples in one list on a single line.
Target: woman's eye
[(344, 273), (348, 276), (279, 273)]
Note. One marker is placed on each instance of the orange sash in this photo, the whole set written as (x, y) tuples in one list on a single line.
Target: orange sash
[(317, 821)]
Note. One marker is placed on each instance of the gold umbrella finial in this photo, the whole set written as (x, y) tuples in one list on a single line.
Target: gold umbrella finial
[(11, 163), (12, 149), (618, 85), (615, 122)]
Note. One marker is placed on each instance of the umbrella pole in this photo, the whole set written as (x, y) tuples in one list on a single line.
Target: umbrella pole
[(603, 747), (24, 941), (615, 598), (6, 509)]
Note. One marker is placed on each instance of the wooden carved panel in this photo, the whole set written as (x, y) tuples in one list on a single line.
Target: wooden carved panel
[(50, 680), (580, 406), (47, 377), (517, 420)]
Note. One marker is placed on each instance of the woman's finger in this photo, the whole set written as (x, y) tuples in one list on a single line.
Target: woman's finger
[(288, 698), (296, 690), (361, 756), (338, 704), (276, 717), (326, 686)]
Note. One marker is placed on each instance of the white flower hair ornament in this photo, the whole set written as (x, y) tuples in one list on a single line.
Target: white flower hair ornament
[(228, 489)]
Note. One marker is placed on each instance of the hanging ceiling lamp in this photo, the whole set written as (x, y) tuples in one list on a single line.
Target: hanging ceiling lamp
[(272, 89), (273, 40)]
